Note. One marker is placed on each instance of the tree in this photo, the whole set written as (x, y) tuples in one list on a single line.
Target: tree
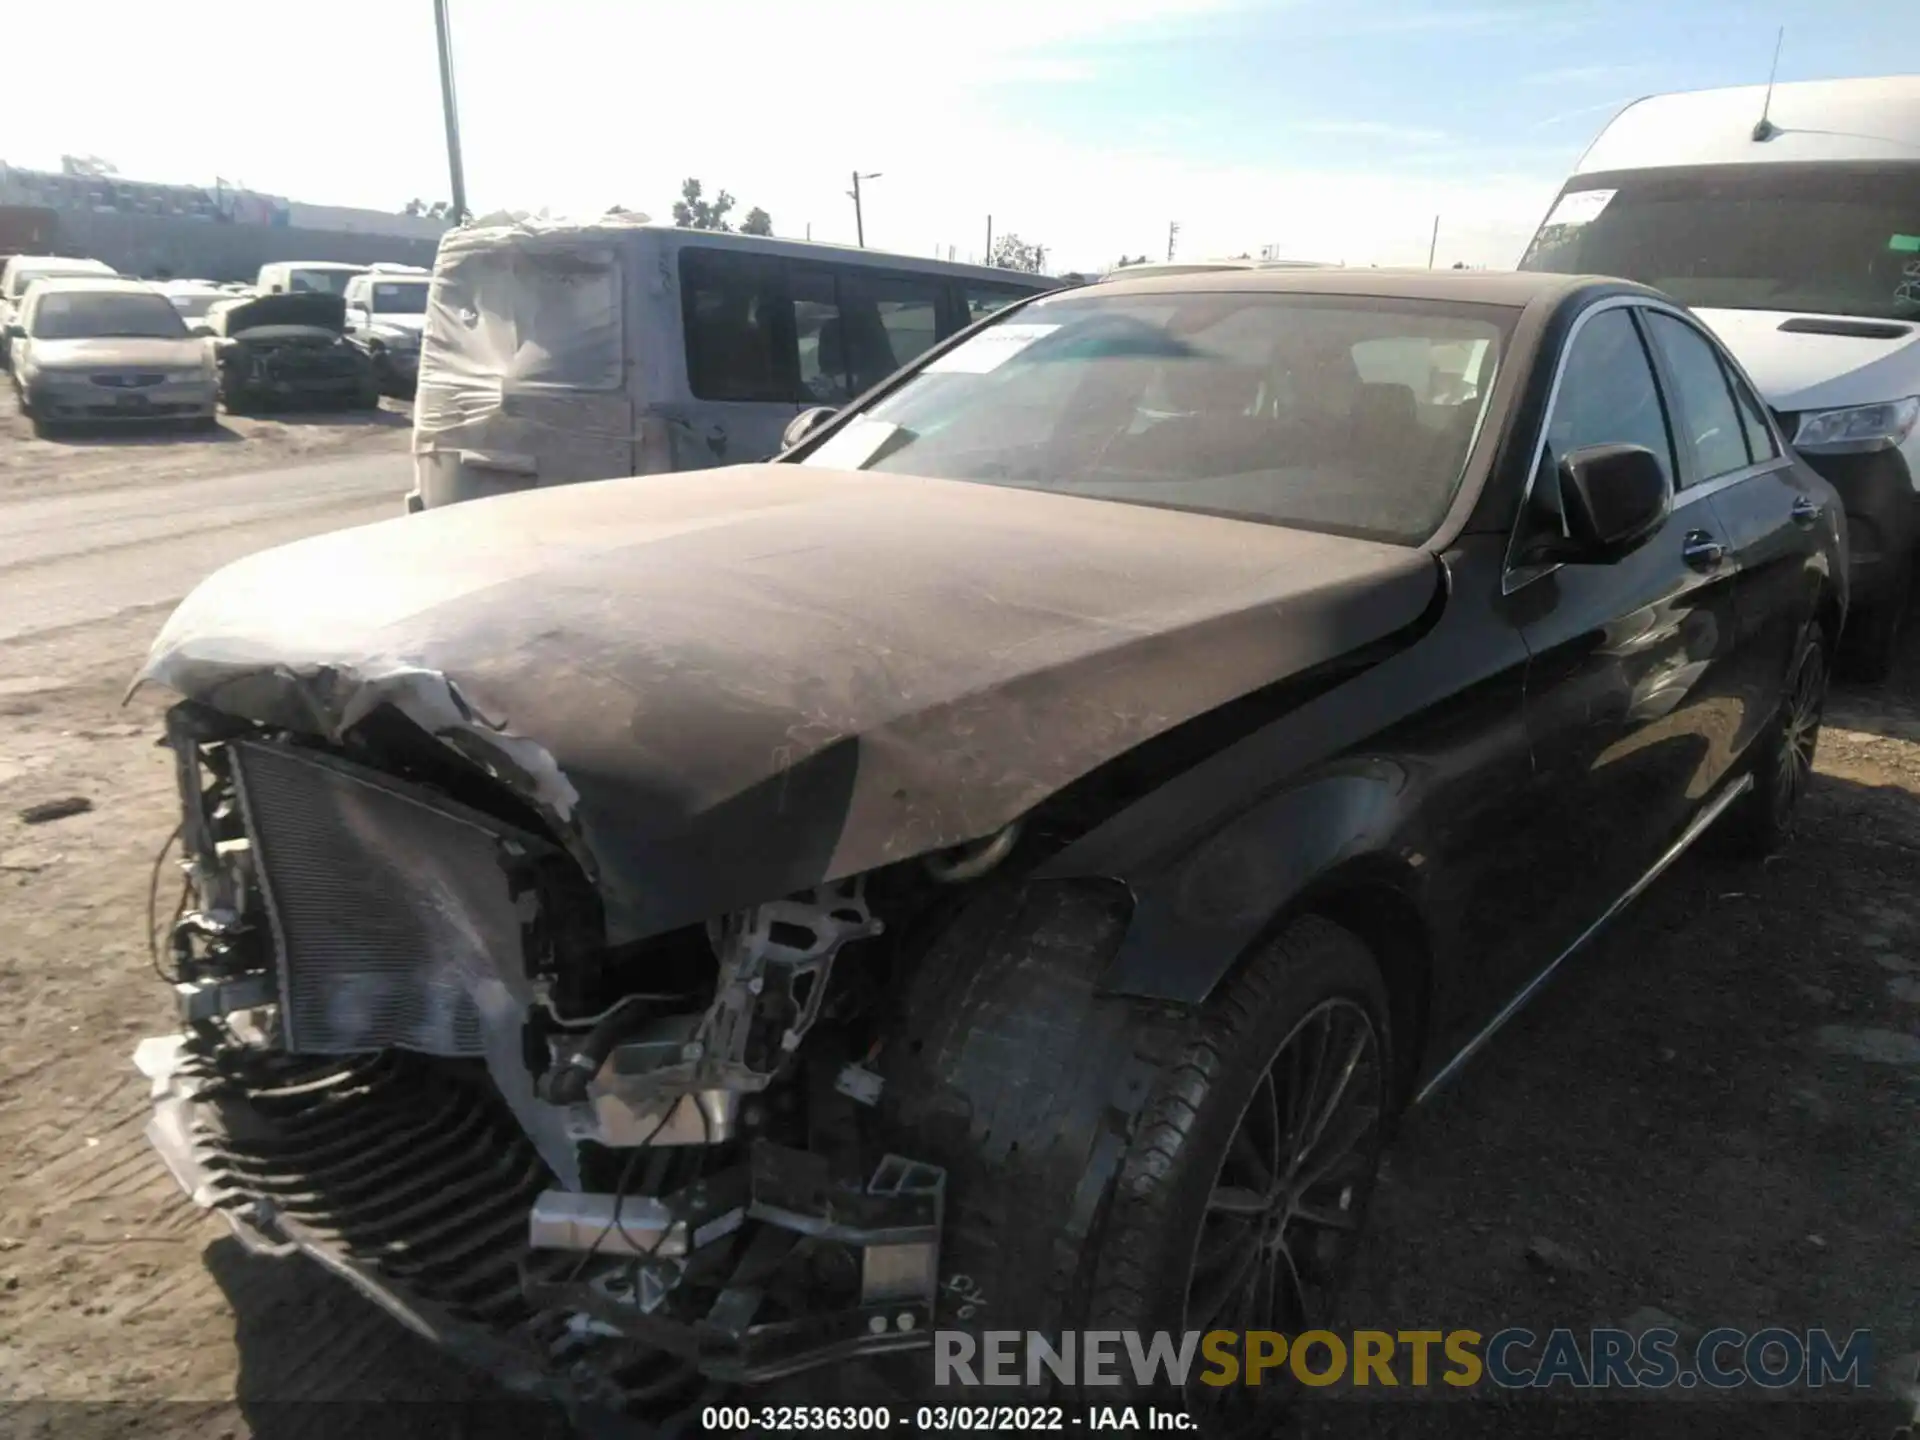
[(1010, 252), (758, 222), (693, 213), (415, 206)]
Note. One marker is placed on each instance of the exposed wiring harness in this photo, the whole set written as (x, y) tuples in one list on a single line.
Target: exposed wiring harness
[(153, 899)]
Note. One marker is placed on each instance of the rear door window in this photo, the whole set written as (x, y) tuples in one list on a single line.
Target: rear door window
[(1709, 425)]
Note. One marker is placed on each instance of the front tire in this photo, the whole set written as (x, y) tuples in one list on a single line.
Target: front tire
[(1114, 1164)]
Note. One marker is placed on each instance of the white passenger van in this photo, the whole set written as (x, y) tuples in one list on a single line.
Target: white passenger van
[(558, 352), (299, 276), (1792, 227)]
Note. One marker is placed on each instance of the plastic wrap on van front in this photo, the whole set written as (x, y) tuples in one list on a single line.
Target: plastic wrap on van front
[(523, 366)]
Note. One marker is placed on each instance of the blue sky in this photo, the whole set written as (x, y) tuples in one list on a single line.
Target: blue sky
[(1336, 129)]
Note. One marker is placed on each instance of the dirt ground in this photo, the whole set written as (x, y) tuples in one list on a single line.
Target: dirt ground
[(1713, 1114)]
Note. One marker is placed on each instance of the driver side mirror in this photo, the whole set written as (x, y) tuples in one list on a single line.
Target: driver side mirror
[(804, 424), (1613, 498), (16, 331), (199, 330)]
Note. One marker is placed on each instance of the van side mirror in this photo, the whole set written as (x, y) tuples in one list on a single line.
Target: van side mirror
[(16, 331), (804, 424), (1613, 498)]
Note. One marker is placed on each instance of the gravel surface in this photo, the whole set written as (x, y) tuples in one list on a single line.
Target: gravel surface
[(1711, 1114)]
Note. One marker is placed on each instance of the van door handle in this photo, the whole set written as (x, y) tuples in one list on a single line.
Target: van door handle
[(1702, 551), (1806, 510)]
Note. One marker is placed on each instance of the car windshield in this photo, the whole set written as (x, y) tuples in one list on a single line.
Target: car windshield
[(331, 282), (102, 314), (400, 297), (1347, 414), (1823, 238)]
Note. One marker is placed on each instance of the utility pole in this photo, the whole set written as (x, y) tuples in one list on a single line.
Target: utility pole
[(1433, 244), (987, 254), (456, 175), (1173, 234), (859, 220)]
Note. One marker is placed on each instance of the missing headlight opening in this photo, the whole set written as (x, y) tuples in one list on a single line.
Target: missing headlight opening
[(404, 1050)]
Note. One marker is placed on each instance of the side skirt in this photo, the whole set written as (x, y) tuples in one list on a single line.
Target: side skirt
[(1693, 832)]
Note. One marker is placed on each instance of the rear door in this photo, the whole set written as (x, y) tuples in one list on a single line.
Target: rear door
[(1771, 521), (1627, 694)]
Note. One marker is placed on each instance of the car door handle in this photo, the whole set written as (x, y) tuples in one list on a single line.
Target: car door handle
[(1702, 551), (1806, 510)]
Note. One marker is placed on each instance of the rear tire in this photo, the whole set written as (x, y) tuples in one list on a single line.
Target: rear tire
[(1104, 1155), (1762, 820), (1870, 643)]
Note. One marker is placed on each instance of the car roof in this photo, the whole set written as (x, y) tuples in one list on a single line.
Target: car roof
[(48, 262), (1516, 289), (90, 284), (315, 265)]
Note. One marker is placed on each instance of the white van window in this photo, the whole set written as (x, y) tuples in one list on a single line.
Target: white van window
[(817, 335), (1825, 238), (731, 305), (983, 300), (330, 282), (890, 321)]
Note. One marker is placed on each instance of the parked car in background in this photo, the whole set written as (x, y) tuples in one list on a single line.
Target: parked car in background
[(19, 271), (290, 350), (556, 353), (193, 299), (1790, 222), (386, 310), (99, 349), (1040, 830), (295, 277), (1151, 268)]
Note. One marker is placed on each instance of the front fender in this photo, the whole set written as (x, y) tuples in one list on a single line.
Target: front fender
[(1193, 920)]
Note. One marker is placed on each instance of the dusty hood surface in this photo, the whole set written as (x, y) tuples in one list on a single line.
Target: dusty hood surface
[(311, 309), (721, 687), (119, 353), (1807, 370)]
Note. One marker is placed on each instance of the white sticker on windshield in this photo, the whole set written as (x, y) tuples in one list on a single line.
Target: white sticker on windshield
[(1580, 206), (990, 349), (853, 446)]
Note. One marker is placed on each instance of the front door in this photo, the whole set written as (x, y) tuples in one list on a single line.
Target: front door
[(1629, 708)]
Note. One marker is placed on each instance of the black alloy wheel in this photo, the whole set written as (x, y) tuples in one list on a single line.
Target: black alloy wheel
[(1800, 716), (1283, 1218)]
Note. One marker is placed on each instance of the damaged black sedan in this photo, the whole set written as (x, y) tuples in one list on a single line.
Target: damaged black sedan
[(1001, 865), (290, 351)]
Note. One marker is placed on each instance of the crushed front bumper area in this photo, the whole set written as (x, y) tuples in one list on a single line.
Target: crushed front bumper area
[(410, 1179)]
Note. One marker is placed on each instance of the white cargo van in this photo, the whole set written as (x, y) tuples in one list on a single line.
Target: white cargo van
[(557, 353), (1791, 225)]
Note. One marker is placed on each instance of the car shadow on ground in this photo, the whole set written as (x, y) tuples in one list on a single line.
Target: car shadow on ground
[(382, 418), (128, 434)]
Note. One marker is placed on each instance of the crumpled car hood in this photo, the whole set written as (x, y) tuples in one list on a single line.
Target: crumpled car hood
[(312, 309), (723, 687)]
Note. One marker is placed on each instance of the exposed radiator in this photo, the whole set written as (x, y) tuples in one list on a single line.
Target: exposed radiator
[(392, 920)]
